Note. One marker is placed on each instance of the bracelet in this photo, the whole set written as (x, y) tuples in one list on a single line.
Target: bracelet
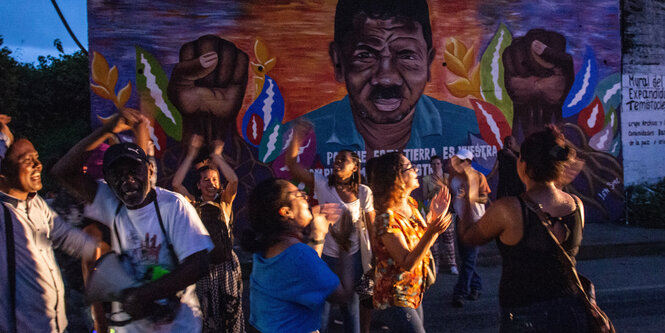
[(316, 241)]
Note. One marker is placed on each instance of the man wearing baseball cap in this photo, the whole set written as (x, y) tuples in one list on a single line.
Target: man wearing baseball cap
[(468, 284), (158, 230)]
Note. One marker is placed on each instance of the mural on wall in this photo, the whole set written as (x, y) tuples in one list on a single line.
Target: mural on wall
[(372, 76)]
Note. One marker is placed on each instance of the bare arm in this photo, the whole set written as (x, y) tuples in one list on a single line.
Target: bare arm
[(225, 169), (4, 128), (193, 149), (69, 169), (498, 219), (291, 156)]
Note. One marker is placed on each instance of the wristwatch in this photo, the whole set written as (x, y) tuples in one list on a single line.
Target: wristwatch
[(316, 241)]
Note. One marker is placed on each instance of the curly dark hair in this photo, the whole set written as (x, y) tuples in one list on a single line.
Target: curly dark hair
[(546, 154), (266, 225)]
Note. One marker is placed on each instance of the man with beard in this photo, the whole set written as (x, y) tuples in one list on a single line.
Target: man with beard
[(382, 51), (157, 230), (32, 292)]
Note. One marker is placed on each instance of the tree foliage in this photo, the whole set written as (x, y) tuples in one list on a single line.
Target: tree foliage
[(49, 102)]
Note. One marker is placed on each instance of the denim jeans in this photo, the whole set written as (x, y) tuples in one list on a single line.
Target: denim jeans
[(468, 279), (565, 315), (405, 320), (350, 311)]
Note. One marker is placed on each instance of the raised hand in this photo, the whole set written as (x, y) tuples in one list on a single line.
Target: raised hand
[(439, 205), (208, 85), (323, 216)]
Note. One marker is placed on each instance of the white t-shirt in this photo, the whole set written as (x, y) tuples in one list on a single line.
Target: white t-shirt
[(477, 209), (326, 194), (143, 241)]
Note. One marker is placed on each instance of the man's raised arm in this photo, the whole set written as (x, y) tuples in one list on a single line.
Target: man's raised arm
[(69, 169)]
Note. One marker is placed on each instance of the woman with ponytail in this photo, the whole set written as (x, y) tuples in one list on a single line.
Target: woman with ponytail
[(289, 283), (343, 187), (536, 293)]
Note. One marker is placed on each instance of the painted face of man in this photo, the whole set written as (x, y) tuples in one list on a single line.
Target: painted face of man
[(129, 180), (23, 168), (385, 65)]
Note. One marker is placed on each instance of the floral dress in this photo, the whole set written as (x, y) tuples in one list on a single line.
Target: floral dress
[(395, 286)]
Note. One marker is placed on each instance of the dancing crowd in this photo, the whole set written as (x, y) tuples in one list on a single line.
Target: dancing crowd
[(365, 245)]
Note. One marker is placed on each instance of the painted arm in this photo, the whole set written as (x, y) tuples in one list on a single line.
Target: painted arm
[(194, 145)]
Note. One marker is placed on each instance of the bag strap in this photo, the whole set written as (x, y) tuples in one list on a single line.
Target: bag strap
[(169, 245), (11, 263), (562, 255)]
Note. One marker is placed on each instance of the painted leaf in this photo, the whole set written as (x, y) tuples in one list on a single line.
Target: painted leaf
[(454, 64), (602, 141), (615, 149), (158, 137), (100, 68), (584, 86), (460, 87), (609, 92), (124, 94), (151, 83), (611, 119), (271, 144), (459, 49), (101, 91), (492, 83), (112, 79), (475, 82), (469, 58), (592, 118), (268, 107), (491, 122), (261, 51)]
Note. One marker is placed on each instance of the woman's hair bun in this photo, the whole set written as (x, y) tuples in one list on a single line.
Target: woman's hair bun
[(559, 153)]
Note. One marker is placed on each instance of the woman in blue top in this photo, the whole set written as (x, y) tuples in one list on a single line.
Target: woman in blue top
[(290, 283)]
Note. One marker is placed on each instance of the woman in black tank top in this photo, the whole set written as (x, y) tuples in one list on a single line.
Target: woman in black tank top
[(535, 292)]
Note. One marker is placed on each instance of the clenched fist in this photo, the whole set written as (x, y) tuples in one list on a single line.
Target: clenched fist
[(208, 86)]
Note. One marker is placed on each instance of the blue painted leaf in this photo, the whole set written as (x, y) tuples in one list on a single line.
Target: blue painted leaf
[(266, 109), (583, 90)]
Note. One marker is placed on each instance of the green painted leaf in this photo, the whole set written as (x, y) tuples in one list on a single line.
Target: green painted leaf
[(492, 84), (151, 83)]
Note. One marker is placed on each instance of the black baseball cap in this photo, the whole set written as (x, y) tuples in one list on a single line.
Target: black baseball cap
[(128, 150)]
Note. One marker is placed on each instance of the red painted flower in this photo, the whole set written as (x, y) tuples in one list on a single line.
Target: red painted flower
[(491, 122), (592, 118)]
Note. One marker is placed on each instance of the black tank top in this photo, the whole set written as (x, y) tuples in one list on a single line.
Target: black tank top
[(213, 219), (531, 271)]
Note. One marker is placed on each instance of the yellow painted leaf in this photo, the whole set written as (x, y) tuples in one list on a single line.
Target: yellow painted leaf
[(459, 88), (475, 82), (460, 49), (269, 64), (100, 68), (454, 64), (450, 45), (124, 94), (261, 51), (112, 79), (469, 58), (475, 78), (101, 91)]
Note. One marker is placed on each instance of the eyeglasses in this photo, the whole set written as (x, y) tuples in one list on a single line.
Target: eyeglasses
[(408, 167), (300, 194)]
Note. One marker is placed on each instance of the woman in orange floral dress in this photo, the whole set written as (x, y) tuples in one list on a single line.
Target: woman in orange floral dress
[(402, 241)]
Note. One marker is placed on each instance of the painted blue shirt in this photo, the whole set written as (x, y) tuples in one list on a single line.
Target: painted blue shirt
[(287, 292), (436, 124)]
